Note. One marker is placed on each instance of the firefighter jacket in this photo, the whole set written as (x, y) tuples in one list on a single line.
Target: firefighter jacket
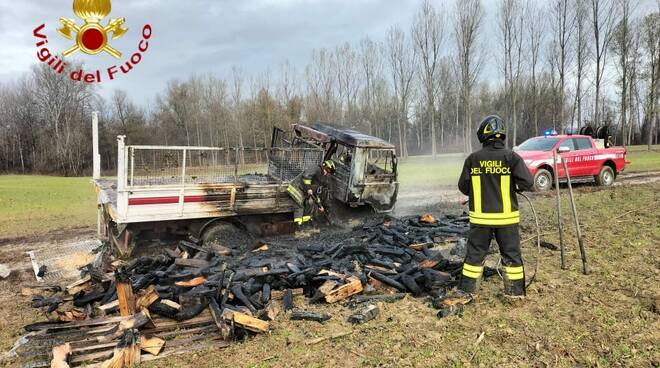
[(308, 204), (491, 177)]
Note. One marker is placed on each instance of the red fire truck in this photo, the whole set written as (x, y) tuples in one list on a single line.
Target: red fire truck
[(585, 158)]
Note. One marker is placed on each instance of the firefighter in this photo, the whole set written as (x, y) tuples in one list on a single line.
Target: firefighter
[(491, 177), (312, 194)]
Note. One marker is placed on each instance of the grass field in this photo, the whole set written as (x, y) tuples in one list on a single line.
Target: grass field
[(425, 171), (35, 205), (642, 160)]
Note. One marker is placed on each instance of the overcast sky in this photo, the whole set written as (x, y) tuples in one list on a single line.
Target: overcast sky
[(209, 36), (201, 36)]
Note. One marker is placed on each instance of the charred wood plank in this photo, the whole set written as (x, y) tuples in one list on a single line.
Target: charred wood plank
[(265, 293), (411, 284), (125, 295), (216, 313), (354, 286), (237, 290), (387, 281), (387, 298), (146, 297), (244, 321), (303, 315), (191, 262), (365, 314), (288, 300)]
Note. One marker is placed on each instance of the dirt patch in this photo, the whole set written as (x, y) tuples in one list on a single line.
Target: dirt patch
[(59, 235)]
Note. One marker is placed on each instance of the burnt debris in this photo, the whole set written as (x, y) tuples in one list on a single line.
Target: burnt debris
[(189, 287)]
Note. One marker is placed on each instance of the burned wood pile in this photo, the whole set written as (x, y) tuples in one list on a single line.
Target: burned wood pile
[(120, 313)]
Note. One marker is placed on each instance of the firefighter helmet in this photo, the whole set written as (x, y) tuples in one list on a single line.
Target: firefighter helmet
[(329, 166), (491, 127)]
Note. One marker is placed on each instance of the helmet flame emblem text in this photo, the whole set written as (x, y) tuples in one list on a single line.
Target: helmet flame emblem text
[(92, 37)]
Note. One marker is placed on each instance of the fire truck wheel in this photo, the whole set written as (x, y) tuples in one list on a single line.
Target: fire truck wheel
[(605, 177), (542, 180)]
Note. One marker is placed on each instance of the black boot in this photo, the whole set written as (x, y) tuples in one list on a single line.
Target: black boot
[(467, 284), (514, 288)]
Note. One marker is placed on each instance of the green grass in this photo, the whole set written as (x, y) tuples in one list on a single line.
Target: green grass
[(426, 171), (642, 160), (34, 205)]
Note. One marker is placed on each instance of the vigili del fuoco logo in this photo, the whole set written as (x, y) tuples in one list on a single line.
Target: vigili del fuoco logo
[(91, 37)]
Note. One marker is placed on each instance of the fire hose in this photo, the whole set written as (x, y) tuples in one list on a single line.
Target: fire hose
[(538, 240)]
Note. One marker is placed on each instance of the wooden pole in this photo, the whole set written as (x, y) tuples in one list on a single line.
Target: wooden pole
[(559, 222), (583, 255)]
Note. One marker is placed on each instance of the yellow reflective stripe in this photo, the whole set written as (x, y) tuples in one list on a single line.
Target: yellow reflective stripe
[(485, 215), (515, 276), (472, 268), (302, 220), (470, 274), (307, 182), (295, 194), (505, 188), (514, 273), (476, 192), (494, 222), (517, 269)]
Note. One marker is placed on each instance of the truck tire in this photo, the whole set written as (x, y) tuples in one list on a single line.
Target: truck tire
[(542, 180), (222, 234), (605, 177)]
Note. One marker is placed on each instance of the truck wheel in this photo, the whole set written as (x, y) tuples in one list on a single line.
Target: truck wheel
[(605, 177), (542, 180), (221, 235)]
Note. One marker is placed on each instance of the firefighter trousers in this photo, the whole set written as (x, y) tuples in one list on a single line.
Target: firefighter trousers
[(478, 243)]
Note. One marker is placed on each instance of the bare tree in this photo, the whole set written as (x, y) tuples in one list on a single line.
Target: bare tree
[(237, 95), (428, 35), (651, 41), (371, 55), (603, 18), (289, 92), (621, 45), (469, 14), (402, 65), (581, 56), (511, 16), (563, 29), (535, 29), (347, 79), (320, 74)]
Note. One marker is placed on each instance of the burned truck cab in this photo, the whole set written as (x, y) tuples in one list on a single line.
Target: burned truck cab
[(366, 166)]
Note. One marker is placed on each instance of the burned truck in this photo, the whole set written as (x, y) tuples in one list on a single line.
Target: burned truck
[(213, 193), (204, 192), (366, 166)]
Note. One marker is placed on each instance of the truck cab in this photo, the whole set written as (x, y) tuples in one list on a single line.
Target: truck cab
[(366, 166), (584, 156)]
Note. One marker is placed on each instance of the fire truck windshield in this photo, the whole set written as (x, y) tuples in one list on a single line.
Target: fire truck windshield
[(538, 144)]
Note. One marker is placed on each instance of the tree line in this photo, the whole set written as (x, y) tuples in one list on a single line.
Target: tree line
[(561, 64)]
